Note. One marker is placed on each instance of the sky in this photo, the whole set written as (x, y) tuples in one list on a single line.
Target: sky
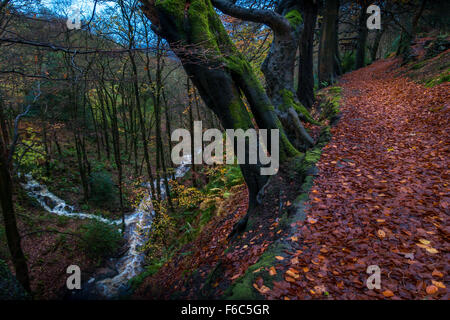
[(85, 6)]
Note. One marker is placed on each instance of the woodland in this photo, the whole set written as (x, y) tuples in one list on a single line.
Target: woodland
[(91, 92)]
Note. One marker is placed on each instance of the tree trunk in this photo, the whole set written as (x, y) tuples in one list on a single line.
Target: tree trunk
[(305, 87), (408, 34), (9, 219), (360, 60), (327, 46), (376, 44), (222, 75)]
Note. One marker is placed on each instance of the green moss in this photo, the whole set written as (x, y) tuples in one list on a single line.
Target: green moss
[(288, 101), (241, 118), (443, 77), (330, 104), (243, 288), (294, 17), (418, 66), (173, 8)]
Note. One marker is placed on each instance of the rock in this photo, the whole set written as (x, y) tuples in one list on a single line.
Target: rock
[(10, 288), (49, 202), (104, 273)]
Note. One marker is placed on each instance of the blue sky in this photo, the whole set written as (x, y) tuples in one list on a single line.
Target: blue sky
[(86, 6)]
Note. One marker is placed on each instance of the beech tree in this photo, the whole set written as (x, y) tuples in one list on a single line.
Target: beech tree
[(305, 87), (360, 60), (224, 77), (328, 65)]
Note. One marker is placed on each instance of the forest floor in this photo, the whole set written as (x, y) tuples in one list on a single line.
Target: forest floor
[(381, 198)]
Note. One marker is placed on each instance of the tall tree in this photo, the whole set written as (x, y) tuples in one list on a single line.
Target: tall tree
[(305, 87), (409, 32), (223, 77), (9, 219), (360, 59), (328, 54)]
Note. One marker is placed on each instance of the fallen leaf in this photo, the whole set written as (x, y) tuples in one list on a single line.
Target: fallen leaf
[(388, 293), (438, 284), (272, 271), (432, 289)]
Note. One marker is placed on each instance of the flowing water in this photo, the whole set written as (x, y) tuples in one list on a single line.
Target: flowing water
[(137, 225)]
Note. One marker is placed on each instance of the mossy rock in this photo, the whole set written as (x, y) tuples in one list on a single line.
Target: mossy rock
[(242, 288)]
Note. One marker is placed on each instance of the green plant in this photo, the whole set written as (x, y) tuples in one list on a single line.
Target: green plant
[(348, 62), (223, 177), (99, 239), (29, 155), (102, 187)]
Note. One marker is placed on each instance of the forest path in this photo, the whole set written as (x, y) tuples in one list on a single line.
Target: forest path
[(381, 197)]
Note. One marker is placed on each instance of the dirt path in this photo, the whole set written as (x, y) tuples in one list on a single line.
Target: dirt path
[(381, 198)]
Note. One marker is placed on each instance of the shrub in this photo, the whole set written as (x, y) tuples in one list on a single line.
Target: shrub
[(100, 239), (30, 156), (224, 177), (348, 62), (102, 187)]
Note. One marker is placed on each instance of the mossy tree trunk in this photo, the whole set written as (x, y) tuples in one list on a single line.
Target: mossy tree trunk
[(223, 77), (328, 44), (286, 23)]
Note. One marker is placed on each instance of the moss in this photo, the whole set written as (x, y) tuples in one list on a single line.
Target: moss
[(288, 101), (241, 118), (294, 17), (243, 288), (199, 24), (418, 66), (330, 105), (173, 8), (443, 77)]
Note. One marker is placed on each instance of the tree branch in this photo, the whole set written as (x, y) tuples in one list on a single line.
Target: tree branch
[(275, 21)]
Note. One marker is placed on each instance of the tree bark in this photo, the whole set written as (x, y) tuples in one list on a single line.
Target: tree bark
[(327, 45), (360, 60), (9, 219), (305, 87)]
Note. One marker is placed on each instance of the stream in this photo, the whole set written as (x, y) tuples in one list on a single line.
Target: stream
[(137, 225)]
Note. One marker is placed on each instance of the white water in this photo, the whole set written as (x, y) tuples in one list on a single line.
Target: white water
[(137, 225)]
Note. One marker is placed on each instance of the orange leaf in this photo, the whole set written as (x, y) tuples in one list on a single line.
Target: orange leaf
[(438, 284), (272, 271), (432, 289), (388, 293)]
